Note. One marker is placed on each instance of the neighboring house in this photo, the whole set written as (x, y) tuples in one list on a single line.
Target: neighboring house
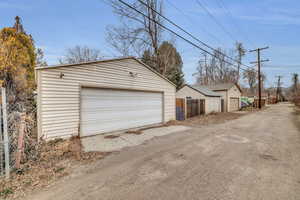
[(212, 99), (92, 98), (231, 95)]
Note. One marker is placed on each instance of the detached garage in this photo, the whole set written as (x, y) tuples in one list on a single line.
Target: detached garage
[(231, 95), (210, 99), (98, 97)]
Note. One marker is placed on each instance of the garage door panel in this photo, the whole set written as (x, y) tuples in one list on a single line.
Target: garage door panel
[(129, 115), (104, 110), (116, 105), (108, 126), (234, 104)]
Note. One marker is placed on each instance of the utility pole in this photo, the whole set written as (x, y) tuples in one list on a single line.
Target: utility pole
[(278, 91), (258, 62)]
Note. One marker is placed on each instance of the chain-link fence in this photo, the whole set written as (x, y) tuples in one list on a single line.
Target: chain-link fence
[(17, 138)]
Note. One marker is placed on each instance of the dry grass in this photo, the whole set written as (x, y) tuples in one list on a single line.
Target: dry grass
[(213, 118), (55, 160)]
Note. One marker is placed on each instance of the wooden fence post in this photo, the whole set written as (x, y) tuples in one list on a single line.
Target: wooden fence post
[(20, 150), (5, 133)]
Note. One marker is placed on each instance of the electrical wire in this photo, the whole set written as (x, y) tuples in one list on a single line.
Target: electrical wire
[(176, 34), (191, 21), (192, 36), (215, 20), (229, 13)]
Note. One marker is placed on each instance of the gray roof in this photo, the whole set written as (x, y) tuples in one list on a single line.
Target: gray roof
[(222, 86), (205, 91)]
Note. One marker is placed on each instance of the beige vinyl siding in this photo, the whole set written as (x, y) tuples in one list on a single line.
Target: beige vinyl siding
[(233, 92), (224, 96), (212, 104), (59, 98), (189, 92)]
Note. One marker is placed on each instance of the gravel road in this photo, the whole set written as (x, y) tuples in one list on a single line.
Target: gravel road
[(255, 157)]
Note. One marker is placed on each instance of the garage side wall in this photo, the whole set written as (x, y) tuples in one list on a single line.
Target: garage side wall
[(235, 93), (212, 104), (224, 96), (59, 92)]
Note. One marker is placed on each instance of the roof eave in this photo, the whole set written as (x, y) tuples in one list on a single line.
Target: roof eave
[(84, 63), (199, 91), (108, 60)]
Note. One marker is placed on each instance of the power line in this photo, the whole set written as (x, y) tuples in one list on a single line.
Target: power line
[(280, 66), (190, 19), (215, 20), (192, 36), (229, 13)]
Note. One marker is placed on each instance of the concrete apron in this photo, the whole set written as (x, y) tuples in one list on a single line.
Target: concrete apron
[(102, 144)]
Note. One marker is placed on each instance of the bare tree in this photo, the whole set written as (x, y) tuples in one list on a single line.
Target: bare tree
[(250, 76), (263, 77), (215, 69), (137, 33), (241, 51), (40, 60), (80, 54)]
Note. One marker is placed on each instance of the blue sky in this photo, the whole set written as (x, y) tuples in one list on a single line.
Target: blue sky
[(59, 24)]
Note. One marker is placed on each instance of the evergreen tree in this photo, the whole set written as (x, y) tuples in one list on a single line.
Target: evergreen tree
[(168, 63)]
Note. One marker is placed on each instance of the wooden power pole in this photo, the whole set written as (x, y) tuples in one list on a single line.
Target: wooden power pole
[(258, 62), (278, 91)]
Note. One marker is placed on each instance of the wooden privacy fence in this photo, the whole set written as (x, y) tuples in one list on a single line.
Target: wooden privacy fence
[(192, 108), (189, 108), (180, 109)]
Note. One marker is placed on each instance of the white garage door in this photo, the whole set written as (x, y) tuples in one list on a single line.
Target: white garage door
[(234, 104), (105, 110)]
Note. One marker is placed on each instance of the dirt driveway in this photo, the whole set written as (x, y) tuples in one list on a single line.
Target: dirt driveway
[(254, 157)]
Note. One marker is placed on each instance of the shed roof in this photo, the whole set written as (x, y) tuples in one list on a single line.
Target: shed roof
[(107, 60), (204, 91)]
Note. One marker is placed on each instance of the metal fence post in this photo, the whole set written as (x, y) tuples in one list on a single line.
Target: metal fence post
[(5, 133)]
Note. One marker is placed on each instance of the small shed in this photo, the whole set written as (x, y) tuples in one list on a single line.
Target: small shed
[(92, 98), (231, 95), (212, 99)]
